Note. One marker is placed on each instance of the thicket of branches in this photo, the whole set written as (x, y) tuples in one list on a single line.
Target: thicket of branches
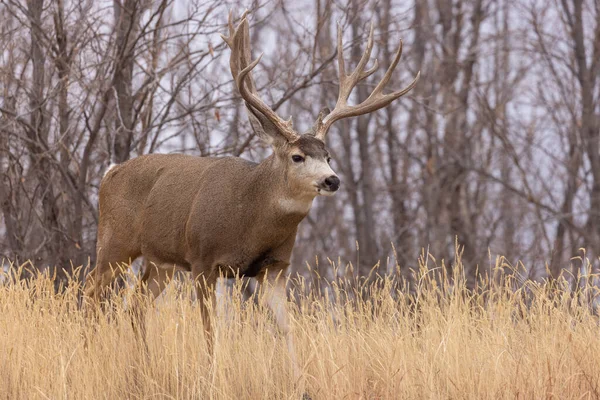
[(497, 146)]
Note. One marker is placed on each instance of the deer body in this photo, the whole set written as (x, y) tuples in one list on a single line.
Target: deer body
[(175, 209), (224, 215)]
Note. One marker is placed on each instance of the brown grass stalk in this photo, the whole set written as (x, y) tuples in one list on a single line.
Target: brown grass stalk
[(537, 340)]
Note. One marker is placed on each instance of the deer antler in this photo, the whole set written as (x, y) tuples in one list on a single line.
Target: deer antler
[(376, 99), (241, 69)]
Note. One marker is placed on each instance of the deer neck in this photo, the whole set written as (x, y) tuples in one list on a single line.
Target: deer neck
[(281, 195), (294, 206)]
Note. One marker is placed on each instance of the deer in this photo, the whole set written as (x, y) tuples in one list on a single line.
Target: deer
[(226, 216)]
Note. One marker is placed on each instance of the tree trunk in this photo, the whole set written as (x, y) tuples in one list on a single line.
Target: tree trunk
[(126, 17)]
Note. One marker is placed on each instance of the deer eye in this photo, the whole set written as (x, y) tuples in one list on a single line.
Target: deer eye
[(328, 160), (297, 159)]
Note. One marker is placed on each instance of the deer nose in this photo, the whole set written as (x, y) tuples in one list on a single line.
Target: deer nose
[(332, 183)]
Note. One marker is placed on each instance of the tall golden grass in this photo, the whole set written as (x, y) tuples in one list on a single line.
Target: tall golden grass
[(503, 340)]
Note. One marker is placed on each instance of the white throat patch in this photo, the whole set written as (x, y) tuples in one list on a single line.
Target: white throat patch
[(295, 206)]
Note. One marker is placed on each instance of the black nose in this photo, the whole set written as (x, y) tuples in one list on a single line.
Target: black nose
[(332, 183)]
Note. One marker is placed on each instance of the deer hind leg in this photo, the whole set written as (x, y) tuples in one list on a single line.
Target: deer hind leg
[(113, 256), (105, 273), (155, 279)]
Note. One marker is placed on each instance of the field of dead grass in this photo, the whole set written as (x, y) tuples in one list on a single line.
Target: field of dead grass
[(504, 340)]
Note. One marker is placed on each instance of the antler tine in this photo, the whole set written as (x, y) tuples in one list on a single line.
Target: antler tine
[(340, 55), (230, 24), (241, 69), (348, 82), (388, 74), (246, 54), (376, 99), (358, 72), (239, 80)]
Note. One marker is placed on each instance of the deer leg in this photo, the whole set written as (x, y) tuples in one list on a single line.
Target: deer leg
[(156, 277), (205, 296), (112, 257), (275, 298), (100, 278)]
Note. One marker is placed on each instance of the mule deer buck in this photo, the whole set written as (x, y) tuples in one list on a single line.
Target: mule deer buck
[(224, 215)]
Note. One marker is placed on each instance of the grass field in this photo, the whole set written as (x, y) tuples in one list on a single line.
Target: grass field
[(506, 340)]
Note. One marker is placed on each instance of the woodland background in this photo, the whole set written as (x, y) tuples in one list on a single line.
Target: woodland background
[(497, 148)]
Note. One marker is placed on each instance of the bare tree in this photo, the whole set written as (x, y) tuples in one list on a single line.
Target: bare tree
[(496, 149)]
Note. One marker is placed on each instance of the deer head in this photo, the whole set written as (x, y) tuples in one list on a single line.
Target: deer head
[(304, 157)]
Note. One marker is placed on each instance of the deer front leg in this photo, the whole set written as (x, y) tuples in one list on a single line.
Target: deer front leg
[(206, 299), (275, 298)]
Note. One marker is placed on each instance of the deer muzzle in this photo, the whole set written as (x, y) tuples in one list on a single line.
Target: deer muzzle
[(330, 184)]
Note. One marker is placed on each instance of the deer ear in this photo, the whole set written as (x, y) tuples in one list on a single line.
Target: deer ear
[(264, 128)]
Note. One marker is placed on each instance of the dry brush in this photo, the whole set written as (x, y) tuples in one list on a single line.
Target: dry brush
[(504, 339)]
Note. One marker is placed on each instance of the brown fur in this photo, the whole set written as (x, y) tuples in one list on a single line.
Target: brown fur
[(205, 214), (209, 215)]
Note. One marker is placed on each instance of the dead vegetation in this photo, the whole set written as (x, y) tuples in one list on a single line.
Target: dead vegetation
[(504, 340)]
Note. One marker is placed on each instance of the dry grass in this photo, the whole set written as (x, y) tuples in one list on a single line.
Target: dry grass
[(533, 342)]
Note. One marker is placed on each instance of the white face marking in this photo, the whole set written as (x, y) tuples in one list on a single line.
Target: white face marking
[(309, 170), (327, 193), (306, 178), (318, 170)]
